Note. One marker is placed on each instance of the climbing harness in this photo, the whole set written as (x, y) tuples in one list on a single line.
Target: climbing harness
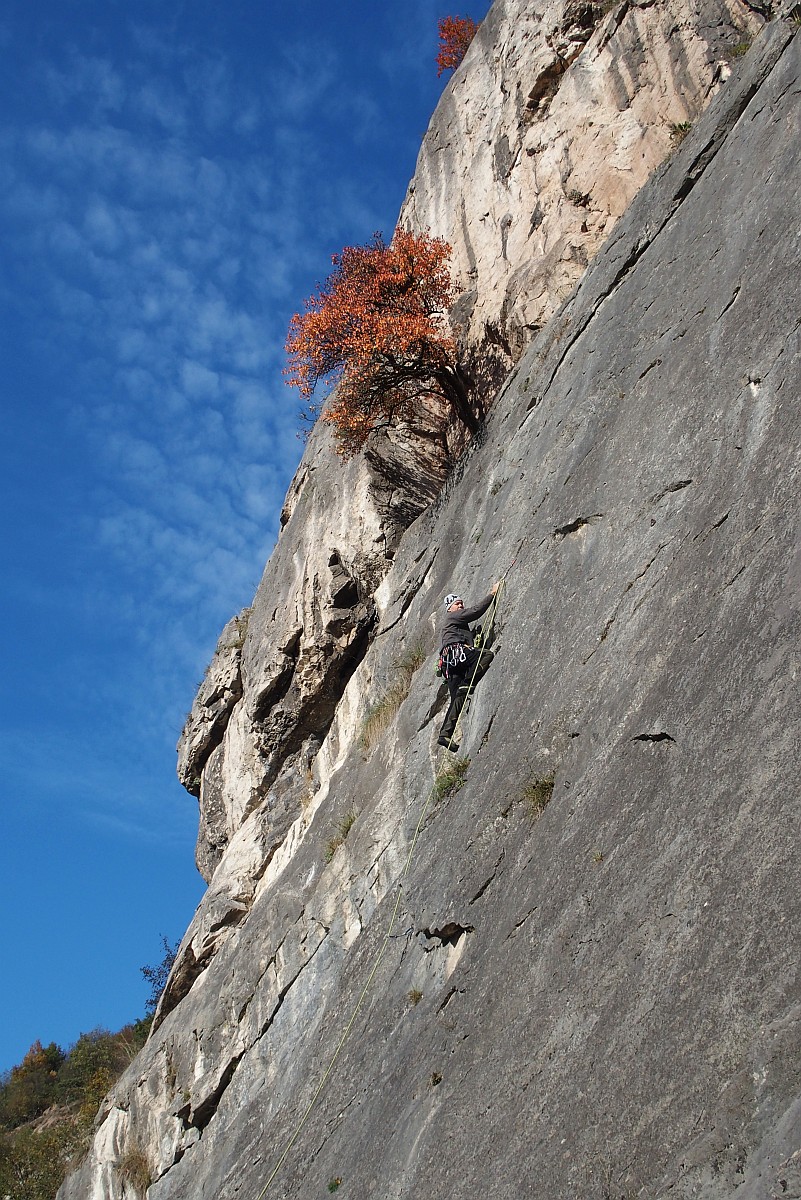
[(450, 657), (390, 934), (481, 637)]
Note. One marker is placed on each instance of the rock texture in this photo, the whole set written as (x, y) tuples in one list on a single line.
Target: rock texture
[(603, 1000), (280, 667), (557, 116)]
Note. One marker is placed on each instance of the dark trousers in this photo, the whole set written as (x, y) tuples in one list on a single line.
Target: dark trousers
[(460, 677)]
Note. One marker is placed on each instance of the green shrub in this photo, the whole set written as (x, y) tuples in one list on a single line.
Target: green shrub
[(33, 1162), (96, 1055), (48, 1105), (28, 1090)]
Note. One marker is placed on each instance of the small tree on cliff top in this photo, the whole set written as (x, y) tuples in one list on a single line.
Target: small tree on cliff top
[(455, 35), (375, 331)]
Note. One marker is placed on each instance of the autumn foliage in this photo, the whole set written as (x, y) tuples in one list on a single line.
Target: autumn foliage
[(375, 332), (455, 35), (48, 1105)]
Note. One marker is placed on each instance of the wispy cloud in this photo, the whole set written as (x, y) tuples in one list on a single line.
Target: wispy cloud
[(165, 211), (162, 265)]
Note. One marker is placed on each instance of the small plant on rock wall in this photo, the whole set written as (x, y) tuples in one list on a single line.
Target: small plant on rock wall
[(134, 1169), (455, 36), (579, 199), (240, 631), (343, 829), (537, 794), (158, 975), (679, 131), (379, 715), (450, 779)]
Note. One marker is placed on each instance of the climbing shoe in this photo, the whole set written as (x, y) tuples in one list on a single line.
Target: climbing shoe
[(448, 743)]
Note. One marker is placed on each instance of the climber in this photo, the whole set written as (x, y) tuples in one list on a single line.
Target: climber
[(462, 663)]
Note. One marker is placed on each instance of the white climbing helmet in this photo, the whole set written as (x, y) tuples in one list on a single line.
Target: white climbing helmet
[(451, 598)]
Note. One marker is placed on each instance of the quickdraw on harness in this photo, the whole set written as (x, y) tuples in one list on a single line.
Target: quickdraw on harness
[(456, 653), (450, 657)]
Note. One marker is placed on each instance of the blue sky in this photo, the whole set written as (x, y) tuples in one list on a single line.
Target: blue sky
[(173, 181)]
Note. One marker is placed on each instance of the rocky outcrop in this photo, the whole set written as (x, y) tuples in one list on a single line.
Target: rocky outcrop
[(584, 981), (552, 124), (544, 135), (281, 666)]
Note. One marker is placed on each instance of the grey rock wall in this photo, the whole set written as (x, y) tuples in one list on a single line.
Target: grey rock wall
[(557, 116), (604, 1000), (551, 125), (280, 667)]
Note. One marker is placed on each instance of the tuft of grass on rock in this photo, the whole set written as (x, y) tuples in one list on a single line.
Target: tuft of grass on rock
[(343, 829), (577, 198), (134, 1169), (537, 793), (679, 131), (414, 997), (450, 779), (380, 715)]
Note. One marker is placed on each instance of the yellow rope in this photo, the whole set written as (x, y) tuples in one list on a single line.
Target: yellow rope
[(489, 621)]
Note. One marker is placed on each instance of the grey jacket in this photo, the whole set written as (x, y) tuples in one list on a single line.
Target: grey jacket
[(456, 625)]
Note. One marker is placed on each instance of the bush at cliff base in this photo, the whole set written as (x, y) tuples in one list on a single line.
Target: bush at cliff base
[(48, 1105)]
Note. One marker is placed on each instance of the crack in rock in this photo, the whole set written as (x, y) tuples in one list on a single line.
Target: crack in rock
[(199, 1115), (448, 935), (735, 101), (673, 487), (564, 531)]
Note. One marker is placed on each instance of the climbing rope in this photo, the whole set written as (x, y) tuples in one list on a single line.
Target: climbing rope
[(486, 631)]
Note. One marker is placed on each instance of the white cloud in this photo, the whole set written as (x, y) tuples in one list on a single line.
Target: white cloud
[(163, 104), (88, 77), (198, 382), (165, 246), (102, 226)]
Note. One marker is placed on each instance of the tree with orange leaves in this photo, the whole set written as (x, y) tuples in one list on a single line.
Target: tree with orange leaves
[(455, 35), (375, 331)]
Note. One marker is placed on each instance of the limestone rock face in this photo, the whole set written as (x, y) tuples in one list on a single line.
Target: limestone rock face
[(281, 666), (555, 119), (575, 972)]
